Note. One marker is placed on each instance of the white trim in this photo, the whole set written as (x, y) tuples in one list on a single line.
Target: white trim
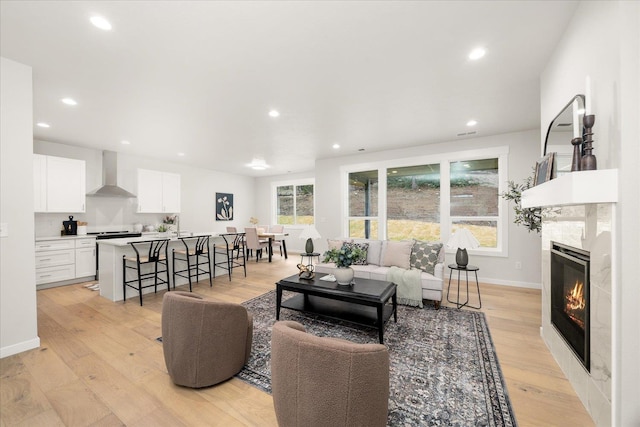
[(444, 160), (502, 282), (10, 350), (273, 209)]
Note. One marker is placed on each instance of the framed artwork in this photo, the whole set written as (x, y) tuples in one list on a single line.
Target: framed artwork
[(224, 207), (544, 169)]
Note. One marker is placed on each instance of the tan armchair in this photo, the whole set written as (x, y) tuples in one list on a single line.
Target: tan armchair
[(204, 342), (319, 381)]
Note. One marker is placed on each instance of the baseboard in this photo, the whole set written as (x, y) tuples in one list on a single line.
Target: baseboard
[(10, 350), (531, 285)]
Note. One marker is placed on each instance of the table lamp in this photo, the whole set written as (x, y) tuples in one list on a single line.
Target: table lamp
[(463, 239), (309, 233)]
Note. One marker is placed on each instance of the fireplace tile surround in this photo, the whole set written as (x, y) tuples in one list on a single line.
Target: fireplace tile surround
[(588, 227)]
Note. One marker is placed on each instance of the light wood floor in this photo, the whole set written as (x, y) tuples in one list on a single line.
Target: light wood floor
[(100, 365)]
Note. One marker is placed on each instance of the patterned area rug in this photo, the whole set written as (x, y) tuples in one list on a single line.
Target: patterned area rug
[(444, 369)]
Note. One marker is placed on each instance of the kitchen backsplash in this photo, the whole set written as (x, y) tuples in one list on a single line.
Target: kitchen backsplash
[(102, 214)]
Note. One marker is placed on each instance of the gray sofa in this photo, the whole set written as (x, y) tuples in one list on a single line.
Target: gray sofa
[(382, 254)]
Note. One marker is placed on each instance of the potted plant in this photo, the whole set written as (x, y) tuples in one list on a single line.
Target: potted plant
[(531, 218), (343, 258), (162, 230)]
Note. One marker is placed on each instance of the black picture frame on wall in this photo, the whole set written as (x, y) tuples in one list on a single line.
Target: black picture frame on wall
[(224, 207), (544, 169)]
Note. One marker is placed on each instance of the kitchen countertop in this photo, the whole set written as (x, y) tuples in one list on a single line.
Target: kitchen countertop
[(40, 239), (126, 240)]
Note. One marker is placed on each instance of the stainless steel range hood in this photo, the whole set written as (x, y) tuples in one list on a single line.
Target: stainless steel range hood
[(109, 186)]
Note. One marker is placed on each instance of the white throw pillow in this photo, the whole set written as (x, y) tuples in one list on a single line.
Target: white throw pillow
[(397, 253)]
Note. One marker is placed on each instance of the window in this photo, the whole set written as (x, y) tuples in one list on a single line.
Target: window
[(474, 199), (363, 204), (430, 197), (413, 202), (294, 204)]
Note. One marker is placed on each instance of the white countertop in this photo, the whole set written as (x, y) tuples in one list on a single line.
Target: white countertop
[(48, 238), (126, 240)]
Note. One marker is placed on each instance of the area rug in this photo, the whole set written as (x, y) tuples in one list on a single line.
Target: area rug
[(443, 367)]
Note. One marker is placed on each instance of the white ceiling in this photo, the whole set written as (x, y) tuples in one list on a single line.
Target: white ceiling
[(200, 77)]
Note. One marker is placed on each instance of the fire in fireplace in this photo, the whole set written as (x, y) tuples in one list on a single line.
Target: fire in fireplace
[(570, 298)]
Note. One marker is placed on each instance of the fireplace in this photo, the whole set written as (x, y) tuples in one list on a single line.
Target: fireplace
[(570, 298)]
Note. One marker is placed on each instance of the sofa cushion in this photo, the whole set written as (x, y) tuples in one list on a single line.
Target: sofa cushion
[(364, 247), (397, 253), (373, 252), (425, 255)]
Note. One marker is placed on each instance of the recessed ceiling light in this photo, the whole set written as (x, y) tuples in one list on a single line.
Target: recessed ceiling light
[(336, 146), (69, 101), (181, 154), (274, 113), (43, 125), (472, 122), (101, 23), (125, 142), (477, 53)]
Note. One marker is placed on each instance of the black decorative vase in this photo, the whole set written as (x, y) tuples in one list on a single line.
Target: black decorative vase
[(309, 246), (462, 258), (575, 160)]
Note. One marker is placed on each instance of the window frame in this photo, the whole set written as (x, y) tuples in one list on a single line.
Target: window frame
[(274, 199), (445, 160)]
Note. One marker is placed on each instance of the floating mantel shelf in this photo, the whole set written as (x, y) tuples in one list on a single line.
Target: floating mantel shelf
[(575, 188)]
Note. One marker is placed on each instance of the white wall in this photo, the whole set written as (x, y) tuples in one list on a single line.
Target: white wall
[(18, 322), (603, 42), (198, 188), (522, 246)]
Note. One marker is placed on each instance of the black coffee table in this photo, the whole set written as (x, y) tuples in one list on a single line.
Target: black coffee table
[(364, 302)]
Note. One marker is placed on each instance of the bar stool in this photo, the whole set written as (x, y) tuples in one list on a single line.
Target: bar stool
[(233, 243), (156, 256), (195, 254)]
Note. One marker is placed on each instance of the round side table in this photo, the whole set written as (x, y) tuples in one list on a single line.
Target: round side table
[(310, 257), (466, 269)]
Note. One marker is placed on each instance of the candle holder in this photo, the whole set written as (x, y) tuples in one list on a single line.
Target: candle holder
[(575, 160), (588, 161)]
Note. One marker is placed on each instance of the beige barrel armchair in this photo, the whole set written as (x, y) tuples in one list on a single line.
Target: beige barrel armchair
[(204, 342), (319, 381)]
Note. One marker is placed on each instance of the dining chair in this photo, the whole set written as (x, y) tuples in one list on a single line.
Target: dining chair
[(278, 228), (254, 243)]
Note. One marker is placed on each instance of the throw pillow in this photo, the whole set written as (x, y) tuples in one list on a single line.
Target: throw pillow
[(364, 247), (397, 253), (425, 255), (335, 243), (373, 253)]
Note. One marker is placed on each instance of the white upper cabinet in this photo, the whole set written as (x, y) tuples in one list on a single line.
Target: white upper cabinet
[(158, 192), (59, 184), (171, 192), (39, 183)]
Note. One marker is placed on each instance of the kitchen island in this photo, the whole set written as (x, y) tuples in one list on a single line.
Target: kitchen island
[(110, 262)]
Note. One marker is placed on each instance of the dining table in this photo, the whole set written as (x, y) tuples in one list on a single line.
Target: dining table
[(272, 237)]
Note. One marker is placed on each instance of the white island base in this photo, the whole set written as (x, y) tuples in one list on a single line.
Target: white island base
[(111, 252)]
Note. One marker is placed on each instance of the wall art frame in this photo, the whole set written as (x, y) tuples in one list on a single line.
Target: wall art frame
[(224, 206)]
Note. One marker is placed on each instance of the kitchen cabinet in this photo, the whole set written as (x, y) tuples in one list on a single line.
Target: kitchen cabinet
[(85, 258), (59, 184), (158, 192), (65, 259)]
